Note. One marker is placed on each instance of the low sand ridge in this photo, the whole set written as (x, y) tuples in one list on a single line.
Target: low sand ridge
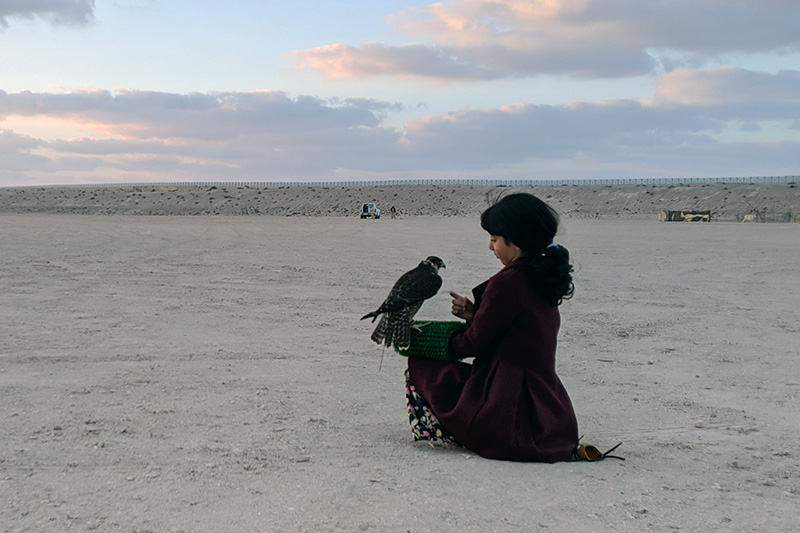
[(726, 201)]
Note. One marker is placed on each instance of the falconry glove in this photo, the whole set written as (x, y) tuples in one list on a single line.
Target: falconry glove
[(431, 340)]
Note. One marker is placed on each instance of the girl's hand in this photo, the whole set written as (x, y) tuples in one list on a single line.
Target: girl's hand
[(462, 307)]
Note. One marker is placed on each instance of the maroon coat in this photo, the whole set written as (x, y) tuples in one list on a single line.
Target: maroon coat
[(510, 404)]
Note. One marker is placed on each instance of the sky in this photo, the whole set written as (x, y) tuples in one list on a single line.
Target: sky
[(120, 91)]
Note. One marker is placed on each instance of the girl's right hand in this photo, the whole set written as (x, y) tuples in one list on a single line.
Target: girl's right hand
[(462, 307)]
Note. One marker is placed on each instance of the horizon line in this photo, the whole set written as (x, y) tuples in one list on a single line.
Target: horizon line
[(572, 182)]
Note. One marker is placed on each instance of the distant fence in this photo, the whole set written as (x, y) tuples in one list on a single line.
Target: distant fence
[(476, 182)]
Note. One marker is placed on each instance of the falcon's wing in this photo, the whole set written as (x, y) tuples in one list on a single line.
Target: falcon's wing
[(400, 326), (415, 285)]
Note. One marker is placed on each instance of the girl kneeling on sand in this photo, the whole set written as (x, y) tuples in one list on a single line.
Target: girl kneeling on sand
[(509, 404)]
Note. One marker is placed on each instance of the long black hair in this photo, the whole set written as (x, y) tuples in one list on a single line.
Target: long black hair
[(530, 224)]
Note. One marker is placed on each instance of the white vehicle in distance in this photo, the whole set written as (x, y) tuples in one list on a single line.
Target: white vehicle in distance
[(370, 211)]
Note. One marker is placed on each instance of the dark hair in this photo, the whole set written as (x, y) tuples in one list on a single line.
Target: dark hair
[(530, 224)]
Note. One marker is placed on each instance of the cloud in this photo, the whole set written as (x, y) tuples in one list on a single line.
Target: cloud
[(709, 123), (493, 39), (15, 151), (210, 116), (340, 61), (56, 12), (253, 135), (728, 85), (685, 120)]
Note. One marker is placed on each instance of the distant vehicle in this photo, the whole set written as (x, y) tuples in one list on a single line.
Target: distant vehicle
[(370, 211)]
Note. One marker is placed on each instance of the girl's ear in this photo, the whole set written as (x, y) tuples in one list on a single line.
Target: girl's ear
[(511, 244)]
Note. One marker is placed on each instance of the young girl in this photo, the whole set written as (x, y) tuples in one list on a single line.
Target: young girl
[(509, 404)]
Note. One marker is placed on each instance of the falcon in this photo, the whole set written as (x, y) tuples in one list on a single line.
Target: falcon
[(403, 302)]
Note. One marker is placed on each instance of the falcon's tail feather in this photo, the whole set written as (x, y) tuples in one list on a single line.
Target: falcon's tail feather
[(379, 334)]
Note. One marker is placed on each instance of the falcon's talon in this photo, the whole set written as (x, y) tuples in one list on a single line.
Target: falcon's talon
[(417, 326)]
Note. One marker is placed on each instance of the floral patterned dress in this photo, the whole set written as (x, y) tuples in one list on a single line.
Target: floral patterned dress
[(424, 424)]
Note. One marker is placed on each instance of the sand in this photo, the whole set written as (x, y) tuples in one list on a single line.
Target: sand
[(211, 374)]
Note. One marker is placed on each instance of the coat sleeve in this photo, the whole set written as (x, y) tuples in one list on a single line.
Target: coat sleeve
[(497, 311)]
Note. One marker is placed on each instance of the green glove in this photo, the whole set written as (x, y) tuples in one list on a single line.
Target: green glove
[(430, 340)]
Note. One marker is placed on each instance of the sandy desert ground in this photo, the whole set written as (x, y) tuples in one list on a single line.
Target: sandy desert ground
[(211, 374)]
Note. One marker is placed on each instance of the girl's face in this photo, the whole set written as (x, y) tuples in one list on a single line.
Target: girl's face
[(506, 252)]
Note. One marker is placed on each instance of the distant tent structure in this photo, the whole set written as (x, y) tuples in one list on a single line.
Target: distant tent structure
[(684, 216)]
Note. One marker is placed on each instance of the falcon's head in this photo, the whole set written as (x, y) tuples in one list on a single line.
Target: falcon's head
[(435, 262)]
